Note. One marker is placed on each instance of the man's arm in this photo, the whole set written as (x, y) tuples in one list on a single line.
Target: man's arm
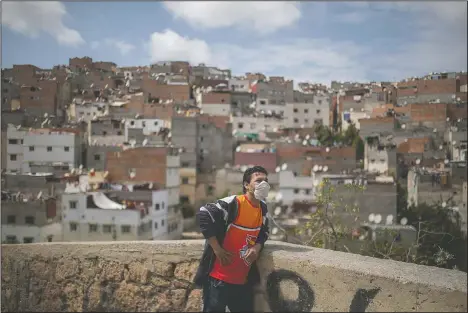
[(207, 218), (264, 232)]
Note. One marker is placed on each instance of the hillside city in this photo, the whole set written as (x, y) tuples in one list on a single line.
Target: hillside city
[(96, 152)]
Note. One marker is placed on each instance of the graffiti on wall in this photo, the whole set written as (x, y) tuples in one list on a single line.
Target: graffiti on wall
[(306, 296)]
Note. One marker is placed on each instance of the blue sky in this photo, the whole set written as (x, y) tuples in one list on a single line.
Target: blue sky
[(312, 41)]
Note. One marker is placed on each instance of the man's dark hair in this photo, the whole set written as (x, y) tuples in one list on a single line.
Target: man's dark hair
[(248, 175)]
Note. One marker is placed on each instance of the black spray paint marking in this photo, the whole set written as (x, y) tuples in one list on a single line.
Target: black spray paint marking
[(306, 298), (362, 298)]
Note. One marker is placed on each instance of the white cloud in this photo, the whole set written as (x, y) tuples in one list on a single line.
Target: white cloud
[(123, 47), (263, 17), (168, 45), (439, 43), (319, 60), (32, 18)]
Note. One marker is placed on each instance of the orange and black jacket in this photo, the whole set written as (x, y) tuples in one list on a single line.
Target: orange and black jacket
[(214, 220)]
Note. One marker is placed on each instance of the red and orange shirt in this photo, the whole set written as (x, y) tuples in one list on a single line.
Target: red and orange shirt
[(240, 236)]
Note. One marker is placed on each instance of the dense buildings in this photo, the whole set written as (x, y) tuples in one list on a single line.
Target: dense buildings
[(94, 151)]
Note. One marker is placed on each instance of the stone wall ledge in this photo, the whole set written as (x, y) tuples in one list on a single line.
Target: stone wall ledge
[(156, 276)]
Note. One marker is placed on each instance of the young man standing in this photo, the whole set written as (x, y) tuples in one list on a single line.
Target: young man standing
[(235, 228)]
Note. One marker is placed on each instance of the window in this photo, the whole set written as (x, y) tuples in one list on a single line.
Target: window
[(106, 228), (296, 191), (185, 164), (272, 101), (66, 149), (184, 199), (185, 180), (28, 240), (382, 160), (31, 148), (73, 204), (97, 157), (49, 238), (320, 102), (155, 225), (126, 229), (162, 222), (49, 149), (295, 111), (12, 157), (29, 220), (119, 133), (307, 191), (318, 111), (11, 239), (240, 125), (262, 102), (296, 120), (306, 110), (156, 123), (162, 205), (12, 141), (201, 139), (157, 206), (318, 121), (93, 228), (281, 112), (11, 219), (143, 124), (104, 133), (73, 226), (372, 160)]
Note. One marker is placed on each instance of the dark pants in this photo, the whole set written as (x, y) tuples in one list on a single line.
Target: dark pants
[(217, 295)]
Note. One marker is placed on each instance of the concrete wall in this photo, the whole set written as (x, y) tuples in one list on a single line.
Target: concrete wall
[(156, 276)]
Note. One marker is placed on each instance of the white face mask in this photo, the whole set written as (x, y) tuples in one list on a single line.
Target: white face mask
[(261, 190)]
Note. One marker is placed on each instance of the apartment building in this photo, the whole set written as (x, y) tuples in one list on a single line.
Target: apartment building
[(10, 92), (153, 90), (239, 85), (92, 216), (14, 148), (455, 138), (210, 72), (427, 90), (157, 165), (86, 112), (244, 125), (216, 103), (151, 130), (44, 148), (308, 115), (29, 220)]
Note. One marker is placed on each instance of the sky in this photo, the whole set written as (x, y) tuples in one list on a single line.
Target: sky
[(304, 41)]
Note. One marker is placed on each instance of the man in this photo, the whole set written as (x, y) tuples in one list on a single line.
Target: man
[(235, 229)]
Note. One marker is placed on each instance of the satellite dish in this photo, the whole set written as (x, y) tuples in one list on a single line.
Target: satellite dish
[(284, 166), (304, 142), (315, 168), (446, 161), (145, 141), (389, 220), (39, 195), (371, 217), (81, 166), (404, 221), (277, 210), (277, 169), (403, 126), (444, 204), (418, 161), (274, 231), (377, 218), (325, 168), (434, 130), (278, 197), (315, 183), (327, 149), (132, 174), (238, 149)]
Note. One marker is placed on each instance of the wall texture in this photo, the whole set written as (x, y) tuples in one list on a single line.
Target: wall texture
[(156, 276)]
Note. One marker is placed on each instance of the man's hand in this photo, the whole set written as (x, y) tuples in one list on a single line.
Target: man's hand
[(252, 253), (223, 256)]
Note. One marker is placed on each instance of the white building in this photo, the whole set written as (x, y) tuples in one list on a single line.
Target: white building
[(295, 188), (87, 111), (51, 147), (239, 85), (92, 216), (300, 114), (14, 148), (256, 125), (147, 126)]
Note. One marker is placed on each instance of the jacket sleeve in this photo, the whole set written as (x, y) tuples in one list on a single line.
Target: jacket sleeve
[(208, 217), (264, 230)]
